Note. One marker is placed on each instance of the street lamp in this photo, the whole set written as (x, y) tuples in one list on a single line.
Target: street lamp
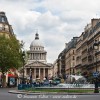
[(70, 74), (30, 75), (23, 56), (96, 89)]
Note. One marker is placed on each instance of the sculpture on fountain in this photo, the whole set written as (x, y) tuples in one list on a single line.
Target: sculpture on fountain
[(72, 79)]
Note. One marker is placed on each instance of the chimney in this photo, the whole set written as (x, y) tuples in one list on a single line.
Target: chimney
[(66, 45), (94, 22)]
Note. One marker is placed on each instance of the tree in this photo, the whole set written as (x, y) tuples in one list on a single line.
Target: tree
[(10, 54)]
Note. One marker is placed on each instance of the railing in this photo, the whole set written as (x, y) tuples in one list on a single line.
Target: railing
[(69, 88)]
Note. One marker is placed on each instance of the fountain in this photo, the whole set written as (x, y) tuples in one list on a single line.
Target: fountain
[(78, 81), (75, 79)]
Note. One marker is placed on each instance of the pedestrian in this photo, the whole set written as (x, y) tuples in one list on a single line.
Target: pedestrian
[(50, 83), (0, 83)]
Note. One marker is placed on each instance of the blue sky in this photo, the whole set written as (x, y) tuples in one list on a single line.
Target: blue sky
[(57, 21)]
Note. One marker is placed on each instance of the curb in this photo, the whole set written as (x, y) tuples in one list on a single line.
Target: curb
[(45, 93)]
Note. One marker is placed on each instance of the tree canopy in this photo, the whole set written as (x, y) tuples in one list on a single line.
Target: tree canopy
[(10, 53)]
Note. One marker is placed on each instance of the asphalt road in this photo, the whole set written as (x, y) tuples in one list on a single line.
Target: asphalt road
[(4, 95)]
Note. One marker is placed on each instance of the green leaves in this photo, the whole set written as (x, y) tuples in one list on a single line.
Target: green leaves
[(10, 53)]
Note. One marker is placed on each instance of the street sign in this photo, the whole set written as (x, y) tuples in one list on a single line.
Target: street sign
[(96, 74)]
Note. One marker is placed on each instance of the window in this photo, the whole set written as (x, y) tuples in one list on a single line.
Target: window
[(73, 51), (73, 64), (6, 28), (73, 58), (3, 20), (99, 38)]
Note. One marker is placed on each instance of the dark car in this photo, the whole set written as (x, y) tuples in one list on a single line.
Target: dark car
[(56, 81), (46, 82)]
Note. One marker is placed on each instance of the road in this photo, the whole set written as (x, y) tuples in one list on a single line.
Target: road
[(4, 95)]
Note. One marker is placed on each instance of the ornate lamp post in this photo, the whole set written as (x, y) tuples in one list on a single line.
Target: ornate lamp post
[(30, 75), (23, 55), (96, 89)]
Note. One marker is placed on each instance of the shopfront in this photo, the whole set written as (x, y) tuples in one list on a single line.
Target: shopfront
[(12, 80)]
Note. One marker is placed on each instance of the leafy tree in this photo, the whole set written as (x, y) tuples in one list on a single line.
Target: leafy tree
[(10, 54)]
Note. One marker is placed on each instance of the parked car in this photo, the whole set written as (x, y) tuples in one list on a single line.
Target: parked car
[(56, 81), (46, 82)]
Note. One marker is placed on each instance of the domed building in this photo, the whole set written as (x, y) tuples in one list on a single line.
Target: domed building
[(37, 51), (37, 66)]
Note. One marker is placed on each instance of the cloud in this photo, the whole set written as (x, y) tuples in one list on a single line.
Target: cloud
[(57, 21)]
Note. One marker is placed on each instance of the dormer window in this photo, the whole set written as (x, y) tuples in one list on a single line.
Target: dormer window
[(3, 19)]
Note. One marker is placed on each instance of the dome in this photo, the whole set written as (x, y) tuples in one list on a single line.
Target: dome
[(36, 42)]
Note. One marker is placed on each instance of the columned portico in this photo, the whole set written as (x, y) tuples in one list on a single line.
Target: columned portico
[(39, 72), (44, 72)]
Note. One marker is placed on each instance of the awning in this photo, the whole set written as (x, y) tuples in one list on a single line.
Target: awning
[(11, 75)]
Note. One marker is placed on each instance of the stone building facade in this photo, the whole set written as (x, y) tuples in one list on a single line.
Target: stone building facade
[(86, 61), (37, 66), (55, 69), (67, 59), (70, 56), (5, 27), (7, 31), (79, 56)]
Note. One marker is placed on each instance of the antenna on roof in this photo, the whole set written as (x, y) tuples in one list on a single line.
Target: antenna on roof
[(97, 16)]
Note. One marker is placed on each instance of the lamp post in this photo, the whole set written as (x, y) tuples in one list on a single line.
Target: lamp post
[(23, 55), (30, 75), (70, 74), (96, 89)]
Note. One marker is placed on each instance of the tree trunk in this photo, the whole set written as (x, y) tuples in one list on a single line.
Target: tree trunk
[(3, 80)]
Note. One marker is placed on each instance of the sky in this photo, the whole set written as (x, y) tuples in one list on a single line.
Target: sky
[(57, 21)]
